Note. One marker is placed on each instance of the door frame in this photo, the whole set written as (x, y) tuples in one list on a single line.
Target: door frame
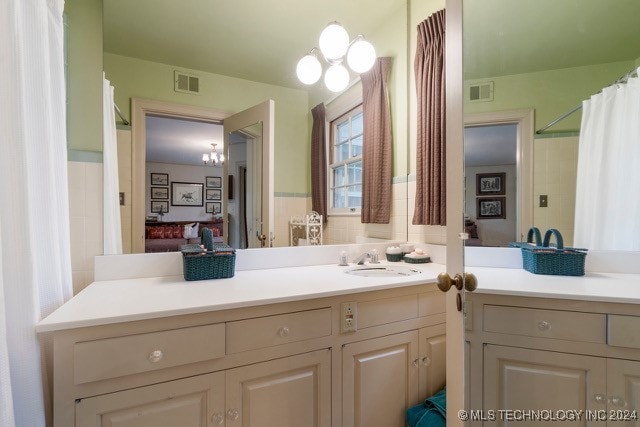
[(523, 118), (140, 108)]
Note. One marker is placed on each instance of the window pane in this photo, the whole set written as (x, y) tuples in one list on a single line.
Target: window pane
[(338, 197), (343, 131), (338, 176), (341, 152), (356, 124), (355, 173), (356, 146), (354, 193)]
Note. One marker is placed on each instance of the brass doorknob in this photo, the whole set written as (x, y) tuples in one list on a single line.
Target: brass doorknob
[(445, 282)]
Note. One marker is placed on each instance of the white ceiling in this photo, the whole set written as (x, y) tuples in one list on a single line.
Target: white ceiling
[(178, 141), (490, 145)]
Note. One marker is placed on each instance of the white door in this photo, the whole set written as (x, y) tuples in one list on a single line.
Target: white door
[(260, 176), (455, 221)]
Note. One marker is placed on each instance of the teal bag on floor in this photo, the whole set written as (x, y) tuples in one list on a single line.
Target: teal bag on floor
[(431, 413)]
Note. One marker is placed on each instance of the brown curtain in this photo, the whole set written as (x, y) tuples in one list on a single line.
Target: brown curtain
[(431, 206), (319, 162), (376, 144)]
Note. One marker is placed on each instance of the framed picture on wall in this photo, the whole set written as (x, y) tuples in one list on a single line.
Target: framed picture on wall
[(214, 182), (159, 179), (217, 208), (488, 184), (160, 193), (159, 207), (186, 194), (214, 194), (491, 208)]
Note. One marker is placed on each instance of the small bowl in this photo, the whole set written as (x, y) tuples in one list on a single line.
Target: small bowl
[(394, 257)]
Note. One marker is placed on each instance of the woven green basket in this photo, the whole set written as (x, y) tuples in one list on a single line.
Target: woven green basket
[(217, 262), (558, 261)]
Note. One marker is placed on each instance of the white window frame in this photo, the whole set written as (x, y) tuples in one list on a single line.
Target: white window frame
[(333, 134)]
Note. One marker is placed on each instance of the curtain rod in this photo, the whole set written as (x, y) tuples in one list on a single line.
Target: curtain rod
[(621, 79), (124, 121)]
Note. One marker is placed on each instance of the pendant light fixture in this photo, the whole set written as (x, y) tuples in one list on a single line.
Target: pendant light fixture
[(334, 47)]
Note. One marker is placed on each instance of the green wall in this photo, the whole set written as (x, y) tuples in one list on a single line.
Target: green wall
[(84, 51), (551, 93), (136, 78)]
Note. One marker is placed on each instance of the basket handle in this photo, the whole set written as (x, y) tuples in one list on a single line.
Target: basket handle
[(207, 238), (558, 236), (533, 231)]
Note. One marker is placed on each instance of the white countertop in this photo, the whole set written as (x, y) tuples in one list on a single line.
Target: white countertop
[(603, 287), (115, 301)]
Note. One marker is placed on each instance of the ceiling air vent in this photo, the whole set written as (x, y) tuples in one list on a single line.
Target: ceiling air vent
[(480, 92), (187, 83)]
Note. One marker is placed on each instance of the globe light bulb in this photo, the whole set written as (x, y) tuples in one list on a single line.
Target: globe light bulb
[(361, 56), (336, 78), (334, 41), (309, 69)]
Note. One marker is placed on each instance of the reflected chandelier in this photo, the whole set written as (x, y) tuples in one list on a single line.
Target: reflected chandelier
[(213, 157), (334, 46)]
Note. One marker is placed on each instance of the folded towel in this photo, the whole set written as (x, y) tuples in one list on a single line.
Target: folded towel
[(431, 413)]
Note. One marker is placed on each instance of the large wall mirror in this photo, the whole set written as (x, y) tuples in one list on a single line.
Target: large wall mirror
[(228, 57), (527, 63)]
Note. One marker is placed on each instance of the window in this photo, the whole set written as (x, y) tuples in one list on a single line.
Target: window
[(345, 158)]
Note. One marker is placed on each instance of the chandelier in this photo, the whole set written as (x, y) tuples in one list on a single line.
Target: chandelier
[(334, 46), (213, 157)]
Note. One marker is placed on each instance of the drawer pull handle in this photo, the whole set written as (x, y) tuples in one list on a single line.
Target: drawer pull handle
[(544, 325), (233, 414), (283, 332), (155, 356), (426, 361), (617, 401), (217, 418), (600, 398)]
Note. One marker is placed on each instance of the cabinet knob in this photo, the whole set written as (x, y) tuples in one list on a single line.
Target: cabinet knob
[(283, 332), (233, 414), (544, 325), (217, 418), (617, 401), (155, 356), (469, 281), (415, 363), (600, 398), (426, 361)]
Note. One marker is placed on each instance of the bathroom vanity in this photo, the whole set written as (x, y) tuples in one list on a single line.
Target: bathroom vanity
[(296, 346), (560, 344)]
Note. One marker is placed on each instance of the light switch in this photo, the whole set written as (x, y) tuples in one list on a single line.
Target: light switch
[(543, 200)]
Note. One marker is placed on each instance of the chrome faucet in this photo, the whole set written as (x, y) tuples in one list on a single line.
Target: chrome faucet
[(373, 255)]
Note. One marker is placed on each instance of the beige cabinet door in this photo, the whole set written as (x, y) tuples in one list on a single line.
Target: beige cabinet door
[(290, 392), (522, 379), (433, 360), (191, 402), (623, 389), (379, 380)]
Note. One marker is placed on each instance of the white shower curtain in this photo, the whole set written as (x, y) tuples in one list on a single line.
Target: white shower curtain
[(110, 194), (35, 265), (608, 182)]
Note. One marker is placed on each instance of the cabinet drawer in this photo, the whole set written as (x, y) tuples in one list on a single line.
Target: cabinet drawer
[(115, 357), (572, 326), (623, 331), (261, 332)]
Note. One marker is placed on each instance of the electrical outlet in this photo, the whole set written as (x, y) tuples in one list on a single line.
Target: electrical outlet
[(349, 317)]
